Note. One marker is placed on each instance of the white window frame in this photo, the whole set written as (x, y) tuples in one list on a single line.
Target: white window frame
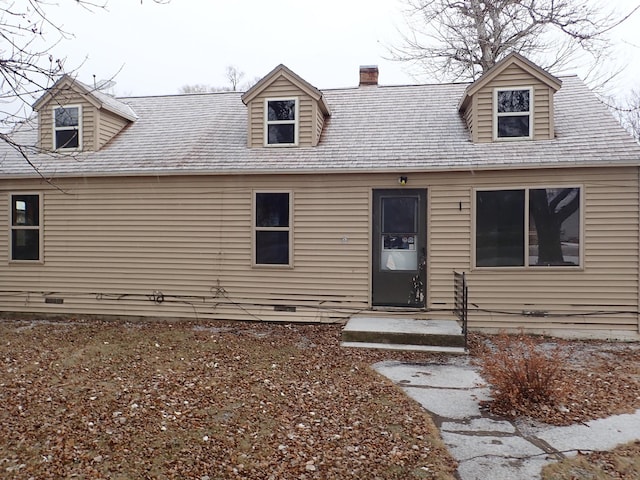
[(255, 228), (39, 227), (526, 266), (497, 114), (56, 129), (295, 122)]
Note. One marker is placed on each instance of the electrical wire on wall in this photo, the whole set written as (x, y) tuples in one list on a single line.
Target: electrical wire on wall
[(219, 296)]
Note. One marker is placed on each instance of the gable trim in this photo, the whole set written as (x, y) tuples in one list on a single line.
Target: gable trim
[(299, 82), (513, 58), (91, 96)]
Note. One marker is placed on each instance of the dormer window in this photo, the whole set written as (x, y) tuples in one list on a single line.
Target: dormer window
[(67, 131), (513, 113), (281, 121)]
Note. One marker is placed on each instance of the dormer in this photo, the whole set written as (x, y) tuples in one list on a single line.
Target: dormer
[(73, 117), (284, 111), (513, 101)]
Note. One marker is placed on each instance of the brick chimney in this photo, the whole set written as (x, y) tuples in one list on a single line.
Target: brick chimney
[(368, 75)]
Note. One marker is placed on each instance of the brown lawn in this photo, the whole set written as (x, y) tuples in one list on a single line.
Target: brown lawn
[(93, 400)]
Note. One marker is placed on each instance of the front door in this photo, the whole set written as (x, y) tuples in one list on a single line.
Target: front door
[(399, 247)]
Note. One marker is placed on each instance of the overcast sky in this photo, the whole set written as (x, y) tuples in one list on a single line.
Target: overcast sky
[(155, 49)]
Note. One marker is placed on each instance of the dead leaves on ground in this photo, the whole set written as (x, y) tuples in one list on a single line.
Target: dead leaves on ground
[(597, 379), (214, 401)]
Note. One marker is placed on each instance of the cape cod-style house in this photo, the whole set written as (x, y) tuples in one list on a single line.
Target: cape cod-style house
[(291, 203)]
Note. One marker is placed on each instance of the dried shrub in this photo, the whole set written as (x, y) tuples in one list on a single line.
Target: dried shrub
[(522, 374)]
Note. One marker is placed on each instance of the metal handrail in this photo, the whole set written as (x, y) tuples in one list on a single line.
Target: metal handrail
[(461, 302)]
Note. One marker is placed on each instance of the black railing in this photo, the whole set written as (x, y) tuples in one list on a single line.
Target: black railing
[(461, 302)]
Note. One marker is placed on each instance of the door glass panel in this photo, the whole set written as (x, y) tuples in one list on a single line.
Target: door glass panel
[(399, 235), (399, 214)]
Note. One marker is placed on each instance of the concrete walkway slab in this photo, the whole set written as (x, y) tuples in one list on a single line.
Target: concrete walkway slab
[(512, 469), (469, 446), (484, 425), (601, 434), (493, 448)]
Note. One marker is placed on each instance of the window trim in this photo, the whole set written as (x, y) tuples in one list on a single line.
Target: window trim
[(255, 228), (56, 129), (295, 122), (39, 227), (526, 266), (497, 114)]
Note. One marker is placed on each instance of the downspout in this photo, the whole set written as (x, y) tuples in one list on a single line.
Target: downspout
[(638, 284)]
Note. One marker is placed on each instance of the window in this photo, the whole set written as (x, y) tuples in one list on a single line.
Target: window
[(528, 227), (272, 228), (513, 113), (67, 128), (25, 227), (281, 119), (399, 231)]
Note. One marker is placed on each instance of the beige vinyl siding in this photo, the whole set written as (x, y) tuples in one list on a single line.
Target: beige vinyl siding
[(110, 243), (319, 124), (307, 119), (192, 237), (514, 76), (607, 281), (109, 125), (89, 119), (469, 118)]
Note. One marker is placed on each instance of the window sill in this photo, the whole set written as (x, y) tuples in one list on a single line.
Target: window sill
[(260, 266), (511, 139), (67, 150), (26, 262), (541, 269)]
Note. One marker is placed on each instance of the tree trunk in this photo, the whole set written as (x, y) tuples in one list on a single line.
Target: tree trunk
[(547, 227)]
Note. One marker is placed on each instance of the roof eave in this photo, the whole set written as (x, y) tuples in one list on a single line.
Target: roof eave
[(337, 171)]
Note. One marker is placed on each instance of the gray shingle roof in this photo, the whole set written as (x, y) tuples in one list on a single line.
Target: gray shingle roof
[(394, 128)]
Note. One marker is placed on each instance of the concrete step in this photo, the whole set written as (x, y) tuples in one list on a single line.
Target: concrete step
[(401, 333), (408, 348)]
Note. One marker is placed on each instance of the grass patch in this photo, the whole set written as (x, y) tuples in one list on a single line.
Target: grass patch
[(621, 463)]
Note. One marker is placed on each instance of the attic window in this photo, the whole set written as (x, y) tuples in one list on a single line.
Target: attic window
[(67, 128), (281, 121), (513, 113)]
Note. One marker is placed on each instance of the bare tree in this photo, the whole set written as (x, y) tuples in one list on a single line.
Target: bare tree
[(461, 39), (548, 216), (196, 88), (27, 67), (233, 75), (627, 111)]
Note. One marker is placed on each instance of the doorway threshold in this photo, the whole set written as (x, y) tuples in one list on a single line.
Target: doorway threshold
[(383, 308)]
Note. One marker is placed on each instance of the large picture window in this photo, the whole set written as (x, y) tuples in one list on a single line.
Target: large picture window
[(531, 227), (26, 224), (513, 113), (272, 228), (281, 121), (67, 127)]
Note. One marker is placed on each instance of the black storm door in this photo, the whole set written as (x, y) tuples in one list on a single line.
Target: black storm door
[(399, 248)]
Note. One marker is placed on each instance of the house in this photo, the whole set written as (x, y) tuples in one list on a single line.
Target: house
[(291, 203)]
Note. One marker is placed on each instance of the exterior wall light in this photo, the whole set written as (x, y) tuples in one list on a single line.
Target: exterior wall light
[(402, 180)]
